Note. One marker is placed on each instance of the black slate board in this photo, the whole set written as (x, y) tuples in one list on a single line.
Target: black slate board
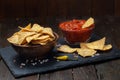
[(35, 66)]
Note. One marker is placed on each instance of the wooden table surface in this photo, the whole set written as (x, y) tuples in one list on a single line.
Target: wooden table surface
[(105, 26)]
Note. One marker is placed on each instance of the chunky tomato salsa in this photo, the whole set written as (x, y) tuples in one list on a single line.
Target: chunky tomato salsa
[(73, 31)]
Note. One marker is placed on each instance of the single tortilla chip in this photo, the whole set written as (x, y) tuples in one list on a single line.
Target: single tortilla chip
[(32, 37), (48, 31), (88, 23), (27, 28), (37, 28), (42, 37), (13, 39), (22, 37), (66, 49), (86, 52), (98, 44)]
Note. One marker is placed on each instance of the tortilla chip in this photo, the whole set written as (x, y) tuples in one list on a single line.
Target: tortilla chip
[(66, 48), (42, 37), (88, 23), (48, 31), (37, 28), (27, 28), (13, 39), (86, 52), (32, 37), (22, 37), (98, 44)]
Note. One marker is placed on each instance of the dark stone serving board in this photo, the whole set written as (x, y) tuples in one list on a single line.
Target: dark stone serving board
[(20, 66)]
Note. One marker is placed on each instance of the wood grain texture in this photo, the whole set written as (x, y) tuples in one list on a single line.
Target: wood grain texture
[(109, 70), (52, 8), (117, 7), (12, 8), (85, 73), (31, 9), (43, 8), (79, 7), (102, 7), (109, 27), (62, 8), (58, 75)]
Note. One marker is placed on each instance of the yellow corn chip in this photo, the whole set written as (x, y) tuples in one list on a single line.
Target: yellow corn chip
[(32, 37), (42, 37), (22, 37), (37, 28), (66, 48), (98, 44), (13, 39), (86, 52), (88, 23), (27, 28), (48, 31)]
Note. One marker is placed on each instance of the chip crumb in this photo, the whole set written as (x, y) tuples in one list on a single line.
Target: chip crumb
[(97, 54), (31, 60), (14, 60), (22, 64), (57, 60), (26, 61)]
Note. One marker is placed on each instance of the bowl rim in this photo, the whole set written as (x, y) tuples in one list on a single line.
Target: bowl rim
[(36, 45)]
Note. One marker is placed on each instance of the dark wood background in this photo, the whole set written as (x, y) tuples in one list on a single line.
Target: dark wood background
[(51, 8)]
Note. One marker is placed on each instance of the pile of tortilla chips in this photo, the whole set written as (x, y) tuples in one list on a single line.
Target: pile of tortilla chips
[(87, 49), (35, 34)]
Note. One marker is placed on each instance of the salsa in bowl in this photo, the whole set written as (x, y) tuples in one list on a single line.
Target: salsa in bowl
[(74, 33)]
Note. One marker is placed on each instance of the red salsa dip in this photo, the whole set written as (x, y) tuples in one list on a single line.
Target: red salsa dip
[(73, 31)]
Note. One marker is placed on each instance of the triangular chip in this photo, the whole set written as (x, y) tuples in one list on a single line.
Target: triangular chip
[(88, 23), (13, 39), (48, 31), (22, 37), (66, 48), (42, 37), (86, 52), (37, 28), (27, 28), (98, 44), (32, 37)]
